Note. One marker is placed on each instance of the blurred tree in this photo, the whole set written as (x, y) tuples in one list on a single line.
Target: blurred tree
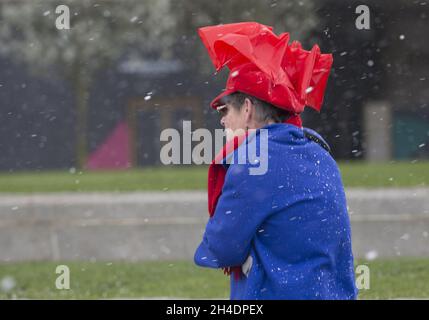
[(100, 31), (299, 18)]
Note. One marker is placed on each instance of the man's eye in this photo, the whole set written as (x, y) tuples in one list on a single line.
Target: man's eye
[(223, 111)]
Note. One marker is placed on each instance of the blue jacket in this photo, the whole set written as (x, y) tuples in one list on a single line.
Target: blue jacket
[(289, 227)]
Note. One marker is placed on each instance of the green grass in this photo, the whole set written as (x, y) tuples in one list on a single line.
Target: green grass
[(36, 280), (400, 278), (157, 179), (393, 174), (354, 174)]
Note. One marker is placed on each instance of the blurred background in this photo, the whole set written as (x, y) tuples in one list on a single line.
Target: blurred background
[(81, 112)]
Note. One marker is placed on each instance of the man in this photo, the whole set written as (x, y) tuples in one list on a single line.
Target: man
[(284, 234)]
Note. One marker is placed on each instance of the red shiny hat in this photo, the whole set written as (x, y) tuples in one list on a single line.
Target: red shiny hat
[(265, 66)]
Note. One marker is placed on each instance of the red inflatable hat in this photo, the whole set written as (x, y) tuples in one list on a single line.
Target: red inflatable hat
[(265, 66)]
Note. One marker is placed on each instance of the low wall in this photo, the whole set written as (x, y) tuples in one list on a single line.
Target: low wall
[(169, 225)]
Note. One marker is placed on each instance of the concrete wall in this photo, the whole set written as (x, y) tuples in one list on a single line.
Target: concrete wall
[(169, 225)]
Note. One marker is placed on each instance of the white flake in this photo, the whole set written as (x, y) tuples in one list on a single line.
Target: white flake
[(309, 89), (371, 255), (7, 283), (234, 74), (405, 236)]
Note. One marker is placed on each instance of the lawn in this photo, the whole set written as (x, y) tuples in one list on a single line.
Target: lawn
[(399, 278), (354, 174)]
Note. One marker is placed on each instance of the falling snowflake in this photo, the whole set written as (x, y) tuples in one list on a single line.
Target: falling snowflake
[(405, 236), (7, 283), (309, 89), (371, 255), (234, 74)]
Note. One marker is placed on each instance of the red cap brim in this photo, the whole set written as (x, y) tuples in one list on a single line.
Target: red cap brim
[(216, 102)]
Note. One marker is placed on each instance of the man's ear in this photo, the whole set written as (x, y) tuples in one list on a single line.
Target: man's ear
[(248, 105)]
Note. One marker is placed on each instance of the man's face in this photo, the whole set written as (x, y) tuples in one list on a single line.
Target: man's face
[(233, 120)]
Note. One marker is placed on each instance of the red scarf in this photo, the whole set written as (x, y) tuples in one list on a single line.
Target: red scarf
[(216, 179)]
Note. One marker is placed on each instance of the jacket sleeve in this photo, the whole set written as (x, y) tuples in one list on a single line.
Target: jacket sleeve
[(244, 204)]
